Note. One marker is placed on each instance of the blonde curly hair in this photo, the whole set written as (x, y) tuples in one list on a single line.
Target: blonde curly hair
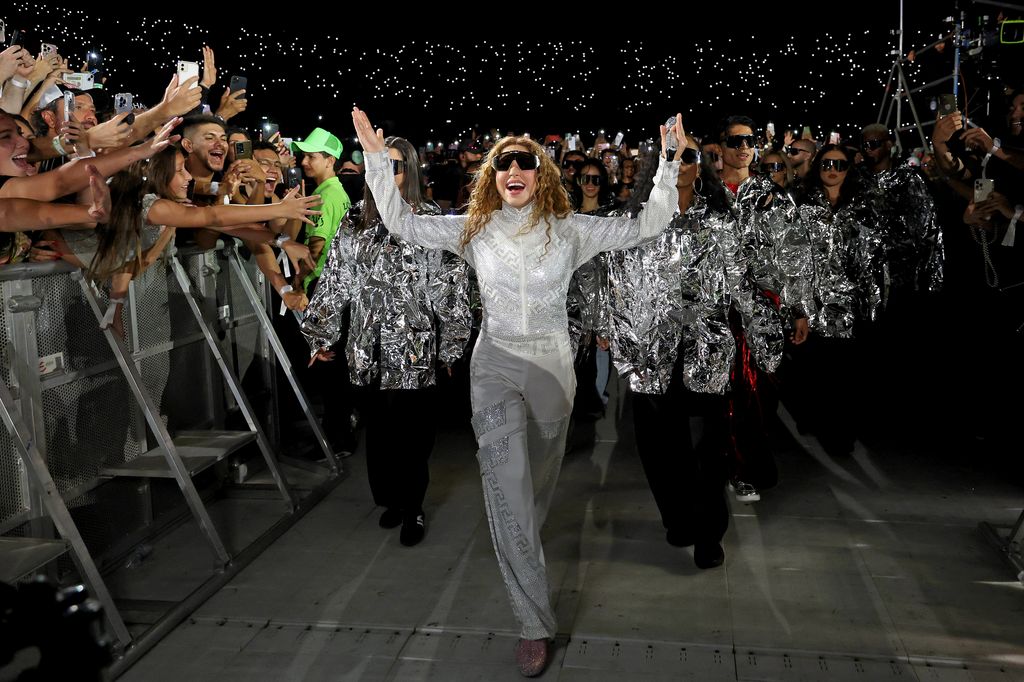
[(549, 196)]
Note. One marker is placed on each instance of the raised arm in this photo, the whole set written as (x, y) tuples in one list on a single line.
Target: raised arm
[(432, 232), (74, 176), (598, 234)]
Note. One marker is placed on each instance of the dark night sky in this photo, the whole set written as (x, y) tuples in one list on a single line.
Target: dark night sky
[(793, 66)]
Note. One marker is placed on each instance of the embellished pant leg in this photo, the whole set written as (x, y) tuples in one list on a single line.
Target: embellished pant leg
[(520, 414)]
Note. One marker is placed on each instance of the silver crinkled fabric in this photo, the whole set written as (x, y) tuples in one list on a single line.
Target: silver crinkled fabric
[(673, 294), (587, 303), (911, 256), (834, 239), (761, 291), (409, 306)]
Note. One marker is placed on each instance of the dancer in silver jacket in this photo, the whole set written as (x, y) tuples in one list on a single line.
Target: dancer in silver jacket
[(522, 239), (408, 309)]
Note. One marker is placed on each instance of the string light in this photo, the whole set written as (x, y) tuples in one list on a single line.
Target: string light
[(834, 77)]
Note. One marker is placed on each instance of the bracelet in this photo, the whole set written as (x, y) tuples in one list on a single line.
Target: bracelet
[(1011, 231), (997, 144), (280, 239), (19, 83), (286, 289), (57, 146)]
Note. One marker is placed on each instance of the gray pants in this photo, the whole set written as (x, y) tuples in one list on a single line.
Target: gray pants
[(522, 397)]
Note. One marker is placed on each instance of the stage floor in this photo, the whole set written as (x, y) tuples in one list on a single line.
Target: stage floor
[(868, 568)]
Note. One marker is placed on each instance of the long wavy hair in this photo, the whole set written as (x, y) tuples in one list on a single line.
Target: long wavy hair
[(121, 236), (411, 188), (549, 196)]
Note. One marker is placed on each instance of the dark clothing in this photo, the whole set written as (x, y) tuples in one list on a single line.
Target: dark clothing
[(686, 480), (400, 429)]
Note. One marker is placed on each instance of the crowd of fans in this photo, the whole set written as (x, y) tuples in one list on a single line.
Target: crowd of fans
[(93, 178)]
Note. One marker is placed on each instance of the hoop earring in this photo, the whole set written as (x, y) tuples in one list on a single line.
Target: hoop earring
[(700, 189)]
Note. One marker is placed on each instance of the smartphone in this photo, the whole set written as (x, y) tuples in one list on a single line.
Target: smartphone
[(293, 178), (15, 37), (269, 128), (982, 189), (3, 31), (243, 149), (770, 128), (80, 81), (239, 83), (123, 102), (833, 138), (188, 70), (572, 142), (47, 49), (93, 60), (947, 104), (807, 133), (618, 139), (69, 105)]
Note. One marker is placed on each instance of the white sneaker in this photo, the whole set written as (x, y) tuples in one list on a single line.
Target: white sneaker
[(744, 492)]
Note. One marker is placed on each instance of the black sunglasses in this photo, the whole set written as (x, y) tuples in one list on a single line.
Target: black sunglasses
[(871, 145), (794, 151), (525, 160), (573, 163), (840, 165), (397, 166), (690, 156), (773, 167), (589, 180), (736, 141), (712, 156)]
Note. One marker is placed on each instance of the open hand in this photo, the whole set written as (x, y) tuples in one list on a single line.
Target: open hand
[(680, 135), (371, 142)]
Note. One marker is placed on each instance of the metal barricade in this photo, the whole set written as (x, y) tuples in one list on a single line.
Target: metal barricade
[(94, 416)]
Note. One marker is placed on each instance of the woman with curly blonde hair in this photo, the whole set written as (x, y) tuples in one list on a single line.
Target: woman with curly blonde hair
[(524, 242)]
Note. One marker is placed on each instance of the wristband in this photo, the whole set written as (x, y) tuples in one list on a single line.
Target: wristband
[(287, 288), (19, 83), (57, 146), (997, 144), (280, 239)]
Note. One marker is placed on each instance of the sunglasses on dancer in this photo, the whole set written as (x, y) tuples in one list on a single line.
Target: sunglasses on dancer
[(796, 151), (871, 145), (776, 167), (736, 141), (690, 156), (712, 156), (573, 163), (398, 166), (594, 180), (525, 160), (839, 165)]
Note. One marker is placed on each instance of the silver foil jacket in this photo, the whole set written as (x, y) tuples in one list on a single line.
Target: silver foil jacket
[(911, 253), (672, 295), (409, 306)]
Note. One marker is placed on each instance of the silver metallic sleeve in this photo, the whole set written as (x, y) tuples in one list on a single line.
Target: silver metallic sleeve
[(450, 289), (428, 231), (597, 234), (321, 321)]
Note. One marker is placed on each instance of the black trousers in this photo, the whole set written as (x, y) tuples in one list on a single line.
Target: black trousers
[(822, 388), (687, 480), (400, 429)]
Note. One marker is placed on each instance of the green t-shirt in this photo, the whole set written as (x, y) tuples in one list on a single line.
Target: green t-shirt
[(334, 207)]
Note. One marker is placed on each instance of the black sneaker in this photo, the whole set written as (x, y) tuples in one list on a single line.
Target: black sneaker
[(413, 530), (391, 518), (678, 537), (708, 555)]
